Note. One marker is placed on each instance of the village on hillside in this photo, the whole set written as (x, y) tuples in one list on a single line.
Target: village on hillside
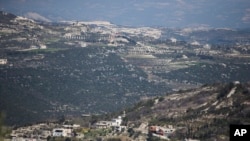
[(71, 68), (101, 130)]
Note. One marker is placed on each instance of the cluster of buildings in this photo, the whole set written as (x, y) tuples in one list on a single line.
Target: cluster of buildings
[(44, 130), (65, 131)]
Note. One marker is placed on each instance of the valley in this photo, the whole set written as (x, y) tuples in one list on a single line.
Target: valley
[(70, 68)]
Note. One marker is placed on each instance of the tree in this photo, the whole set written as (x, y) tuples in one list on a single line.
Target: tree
[(62, 119), (149, 103), (114, 139), (2, 130), (67, 139), (131, 132), (161, 99), (93, 119)]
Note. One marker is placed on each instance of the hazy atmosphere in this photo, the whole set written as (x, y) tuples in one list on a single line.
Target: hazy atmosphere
[(170, 13), (116, 70)]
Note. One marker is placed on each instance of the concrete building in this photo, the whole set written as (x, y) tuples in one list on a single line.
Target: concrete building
[(116, 122), (103, 124), (62, 132), (161, 131)]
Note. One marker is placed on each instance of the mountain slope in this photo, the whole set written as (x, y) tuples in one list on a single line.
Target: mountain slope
[(203, 113), (6, 17), (56, 69), (43, 85), (63, 69)]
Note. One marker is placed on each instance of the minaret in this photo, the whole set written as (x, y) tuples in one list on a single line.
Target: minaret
[(124, 114)]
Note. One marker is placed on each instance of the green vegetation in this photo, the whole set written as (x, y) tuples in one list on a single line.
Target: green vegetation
[(97, 133), (208, 73), (209, 121), (114, 139), (68, 81), (225, 91), (62, 139), (4, 130), (47, 50), (161, 99), (51, 40), (1, 127)]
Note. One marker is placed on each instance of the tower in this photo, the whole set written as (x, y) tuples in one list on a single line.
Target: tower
[(124, 114)]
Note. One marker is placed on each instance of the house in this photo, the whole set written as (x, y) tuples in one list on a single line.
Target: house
[(103, 124), (61, 132), (42, 46), (116, 122), (161, 131), (73, 126), (3, 61)]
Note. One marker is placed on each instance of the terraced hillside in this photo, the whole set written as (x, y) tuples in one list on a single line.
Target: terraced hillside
[(204, 113)]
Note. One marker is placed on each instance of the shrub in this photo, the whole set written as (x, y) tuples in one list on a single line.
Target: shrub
[(224, 91), (161, 99)]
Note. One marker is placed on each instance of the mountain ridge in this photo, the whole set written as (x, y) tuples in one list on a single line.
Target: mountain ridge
[(50, 70), (205, 112)]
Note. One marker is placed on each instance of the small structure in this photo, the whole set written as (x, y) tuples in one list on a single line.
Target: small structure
[(73, 126), (161, 131), (43, 46), (3, 61), (120, 128), (173, 40), (86, 115), (61, 132), (103, 124), (116, 123)]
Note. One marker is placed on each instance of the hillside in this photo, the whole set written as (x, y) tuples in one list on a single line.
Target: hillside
[(204, 113), (50, 70), (74, 81), (6, 17)]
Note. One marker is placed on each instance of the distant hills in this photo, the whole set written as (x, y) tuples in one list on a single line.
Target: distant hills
[(51, 70), (6, 17)]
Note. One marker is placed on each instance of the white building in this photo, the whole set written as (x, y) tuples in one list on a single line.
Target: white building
[(73, 126), (43, 46), (3, 61), (103, 124), (116, 122), (173, 40), (61, 132)]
